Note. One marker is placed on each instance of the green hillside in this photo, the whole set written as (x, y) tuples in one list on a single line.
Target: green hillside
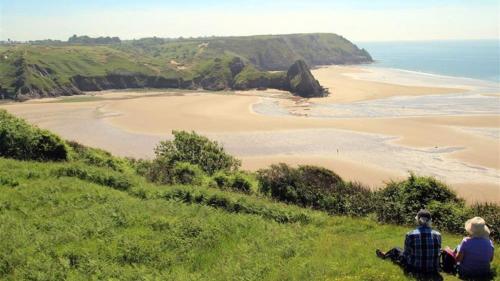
[(54, 68), (266, 52), (92, 216)]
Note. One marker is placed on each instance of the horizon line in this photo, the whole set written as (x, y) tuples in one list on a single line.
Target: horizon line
[(259, 34)]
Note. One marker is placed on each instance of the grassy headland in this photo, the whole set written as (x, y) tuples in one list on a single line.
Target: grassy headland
[(196, 216), (54, 68)]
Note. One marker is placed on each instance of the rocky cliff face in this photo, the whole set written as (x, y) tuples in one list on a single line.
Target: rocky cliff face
[(302, 82), (121, 81), (298, 80)]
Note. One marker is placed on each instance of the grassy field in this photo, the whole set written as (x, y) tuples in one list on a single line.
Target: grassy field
[(80, 213), (56, 228)]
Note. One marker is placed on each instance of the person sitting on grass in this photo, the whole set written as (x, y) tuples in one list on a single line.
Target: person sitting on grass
[(475, 252), (421, 249)]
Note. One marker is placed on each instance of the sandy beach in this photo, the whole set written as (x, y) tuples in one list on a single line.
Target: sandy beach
[(463, 150)]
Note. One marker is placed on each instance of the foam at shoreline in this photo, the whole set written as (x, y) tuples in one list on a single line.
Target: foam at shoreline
[(416, 78)]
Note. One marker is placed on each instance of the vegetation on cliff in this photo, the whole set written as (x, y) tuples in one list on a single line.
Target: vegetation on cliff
[(93, 64), (94, 216)]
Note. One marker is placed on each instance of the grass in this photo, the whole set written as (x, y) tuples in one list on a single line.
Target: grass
[(51, 66), (56, 228)]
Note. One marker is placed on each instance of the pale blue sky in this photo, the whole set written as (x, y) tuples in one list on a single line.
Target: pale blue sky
[(358, 20)]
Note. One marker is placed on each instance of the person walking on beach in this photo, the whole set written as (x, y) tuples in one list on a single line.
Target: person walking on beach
[(421, 248), (475, 252)]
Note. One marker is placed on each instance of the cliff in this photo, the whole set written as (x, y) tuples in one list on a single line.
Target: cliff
[(302, 82), (220, 63)]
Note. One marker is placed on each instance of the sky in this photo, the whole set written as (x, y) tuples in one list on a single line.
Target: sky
[(357, 20)]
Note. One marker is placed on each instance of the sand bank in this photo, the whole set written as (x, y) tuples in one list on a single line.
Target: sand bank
[(345, 89)]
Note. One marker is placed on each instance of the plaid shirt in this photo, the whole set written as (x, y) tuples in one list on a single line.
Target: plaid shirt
[(422, 247)]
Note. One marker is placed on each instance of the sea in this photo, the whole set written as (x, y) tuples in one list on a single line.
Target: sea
[(476, 59)]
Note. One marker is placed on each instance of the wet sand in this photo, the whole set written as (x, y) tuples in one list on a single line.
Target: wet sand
[(461, 150)]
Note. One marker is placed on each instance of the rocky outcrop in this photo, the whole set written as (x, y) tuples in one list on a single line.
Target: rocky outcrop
[(298, 80), (261, 82), (302, 82), (236, 66)]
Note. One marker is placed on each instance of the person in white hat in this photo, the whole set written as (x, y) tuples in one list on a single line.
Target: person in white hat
[(475, 252)]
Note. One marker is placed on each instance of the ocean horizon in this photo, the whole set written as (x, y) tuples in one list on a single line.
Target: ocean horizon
[(476, 59)]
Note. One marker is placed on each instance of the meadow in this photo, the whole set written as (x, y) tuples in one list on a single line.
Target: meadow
[(87, 215)]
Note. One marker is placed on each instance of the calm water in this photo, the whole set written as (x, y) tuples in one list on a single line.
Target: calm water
[(479, 59)]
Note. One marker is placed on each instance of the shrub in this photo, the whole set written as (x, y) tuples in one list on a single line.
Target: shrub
[(198, 150), (20, 140), (235, 181), (99, 176), (221, 179), (490, 212), (186, 173), (240, 183), (449, 216), (96, 157), (399, 201), (316, 187), (140, 166)]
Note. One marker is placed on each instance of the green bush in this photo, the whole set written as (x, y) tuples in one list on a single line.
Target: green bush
[(20, 140), (315, 187), (490, 212), (187, 173), (96, 157), (399, 201), (235, 181), (96, 175), (195, 149), (141, 167), (449, 216), (240, 183), (221, 180)]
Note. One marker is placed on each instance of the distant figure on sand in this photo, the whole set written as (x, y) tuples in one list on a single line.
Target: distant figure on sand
[(475, 252), (421, 249)]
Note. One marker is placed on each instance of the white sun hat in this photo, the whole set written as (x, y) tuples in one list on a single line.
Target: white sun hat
[(477, 227)]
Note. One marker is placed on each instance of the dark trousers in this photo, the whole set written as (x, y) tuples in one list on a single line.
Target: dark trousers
[(396, 256)]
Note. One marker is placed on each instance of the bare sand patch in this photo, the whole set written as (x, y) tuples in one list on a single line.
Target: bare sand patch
[(345, 89)]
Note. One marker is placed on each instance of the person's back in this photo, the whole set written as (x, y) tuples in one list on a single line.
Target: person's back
[(422, 247), (475, 253), (421, 250)]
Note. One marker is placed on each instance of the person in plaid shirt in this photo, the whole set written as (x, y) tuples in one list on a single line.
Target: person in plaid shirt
[(421, 250)]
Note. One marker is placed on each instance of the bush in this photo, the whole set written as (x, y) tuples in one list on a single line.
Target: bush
[(399, 201), (99, 176), (186, 173), (20, 140), (140, 166), (316, 187), (96, 157), (198, 150), (490, 212), (240, 183), (449, 216), (235, 181)]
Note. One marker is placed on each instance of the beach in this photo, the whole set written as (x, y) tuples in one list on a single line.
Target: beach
[(366, 130)]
